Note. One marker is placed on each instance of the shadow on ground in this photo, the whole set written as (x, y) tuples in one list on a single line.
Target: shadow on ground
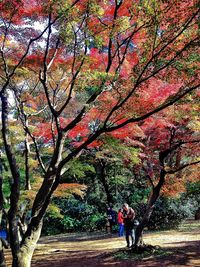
[(186, 254), (77, 238)]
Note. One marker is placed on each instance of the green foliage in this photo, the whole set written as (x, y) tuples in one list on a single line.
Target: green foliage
[(69, 224), (76, 216), (193, 190), (89, 214), (54, 211), (169, 213), (119, 179), (90, 90), (138, 195), (78, 169), (52, 226), (178, 65), (94, 222), (114, 149)]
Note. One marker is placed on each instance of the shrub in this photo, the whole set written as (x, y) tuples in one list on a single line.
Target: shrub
[(94, 222), (169, 213), (76, 215), (69, 224), (52, 226)]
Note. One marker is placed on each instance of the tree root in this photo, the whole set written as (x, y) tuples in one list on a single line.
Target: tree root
[(144, 248)]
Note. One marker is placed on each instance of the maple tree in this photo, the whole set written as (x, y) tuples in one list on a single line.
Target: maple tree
[(168, 153), (171, 153), (94, 67)]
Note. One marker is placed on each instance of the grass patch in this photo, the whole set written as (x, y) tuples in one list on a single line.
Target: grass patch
[(128, 254)]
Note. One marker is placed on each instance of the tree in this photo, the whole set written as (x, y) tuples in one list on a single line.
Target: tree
[(109, 161), (91, 63), (172, 154)]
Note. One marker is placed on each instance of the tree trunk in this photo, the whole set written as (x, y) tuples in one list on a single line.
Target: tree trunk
[(15, 184), (27, 152), (140, 227), (104, 182), (32, 235), (27, 174), (197, 214), (2, 258), (25, 254), (152, 200)]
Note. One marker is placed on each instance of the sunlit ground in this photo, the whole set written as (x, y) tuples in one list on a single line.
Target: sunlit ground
[(95, 250)]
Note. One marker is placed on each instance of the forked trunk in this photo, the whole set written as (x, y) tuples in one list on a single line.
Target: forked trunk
[(153, 198), (25, 254)]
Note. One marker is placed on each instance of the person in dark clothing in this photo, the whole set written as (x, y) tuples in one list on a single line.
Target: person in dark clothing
[(129, 215), (111, 217)]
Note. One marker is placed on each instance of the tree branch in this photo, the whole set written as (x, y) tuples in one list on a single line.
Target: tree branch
[(168, 102), (172, 171)]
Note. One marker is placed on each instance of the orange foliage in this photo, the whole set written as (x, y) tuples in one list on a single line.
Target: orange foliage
[(64, 190)]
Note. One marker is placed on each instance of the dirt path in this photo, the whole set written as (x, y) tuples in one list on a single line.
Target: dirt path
[(93, 251)]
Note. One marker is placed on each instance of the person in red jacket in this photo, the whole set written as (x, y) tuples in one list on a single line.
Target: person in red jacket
[(120, 222)]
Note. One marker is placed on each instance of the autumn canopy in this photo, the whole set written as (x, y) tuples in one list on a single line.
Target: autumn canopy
[(75, 72)]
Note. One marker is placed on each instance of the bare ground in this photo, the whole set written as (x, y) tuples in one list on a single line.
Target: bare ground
[(98, 250)]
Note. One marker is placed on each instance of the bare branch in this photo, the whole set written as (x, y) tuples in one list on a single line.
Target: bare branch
[(23, 119), (54, 54), (74, 75), (172, 171)]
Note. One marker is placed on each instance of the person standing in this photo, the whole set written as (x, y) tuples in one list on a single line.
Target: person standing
[(111, 217), (120, 220), (128, 216)]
